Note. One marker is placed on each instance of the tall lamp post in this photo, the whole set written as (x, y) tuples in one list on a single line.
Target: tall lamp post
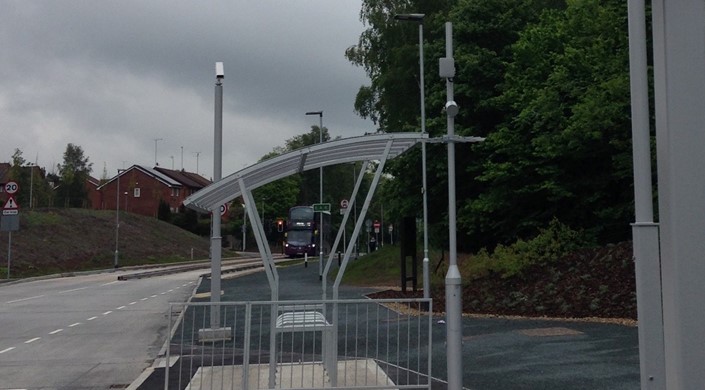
[(320, 228), (244, 227), (216, 239), (426, 278), (453, 282), (155, 150), (31, 185), (117, 218)]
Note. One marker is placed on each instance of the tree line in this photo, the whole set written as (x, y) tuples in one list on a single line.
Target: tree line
[(546, 82), (65, 186)]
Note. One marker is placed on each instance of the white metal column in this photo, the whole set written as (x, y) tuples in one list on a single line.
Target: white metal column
[(679, 81), (272, 277), (334, 248), (645, 233), (332, 372)]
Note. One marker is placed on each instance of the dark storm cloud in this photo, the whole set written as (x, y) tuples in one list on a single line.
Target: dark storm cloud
[(114, 75)]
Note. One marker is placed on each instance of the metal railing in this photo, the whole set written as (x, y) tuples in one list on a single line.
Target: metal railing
[(350, 344)]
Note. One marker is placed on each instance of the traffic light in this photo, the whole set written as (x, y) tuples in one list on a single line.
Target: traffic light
[(280, 225)]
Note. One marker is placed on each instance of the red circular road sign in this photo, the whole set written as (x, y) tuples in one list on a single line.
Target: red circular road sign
[(223, 209), (344, 204), (11, 187)]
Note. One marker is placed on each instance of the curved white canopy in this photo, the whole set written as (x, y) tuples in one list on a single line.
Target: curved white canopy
[(364, 148)]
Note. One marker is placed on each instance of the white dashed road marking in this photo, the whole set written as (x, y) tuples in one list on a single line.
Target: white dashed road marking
[(74, 324), (120, 308), (24, 299), (32, 340), (91, 319), (132, 303), (75, 289), (7, 350), (56, 331), (107, 312)]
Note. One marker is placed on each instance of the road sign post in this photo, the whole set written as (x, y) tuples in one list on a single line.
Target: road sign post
[(10, 219)]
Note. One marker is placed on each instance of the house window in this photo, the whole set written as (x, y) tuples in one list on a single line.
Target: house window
[(136, 193), (175, 192)]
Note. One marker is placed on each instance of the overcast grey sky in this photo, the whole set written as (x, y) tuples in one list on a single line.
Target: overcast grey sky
[(112, 76)]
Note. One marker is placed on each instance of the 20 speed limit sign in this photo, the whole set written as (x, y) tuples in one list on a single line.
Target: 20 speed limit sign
[(11, 187)]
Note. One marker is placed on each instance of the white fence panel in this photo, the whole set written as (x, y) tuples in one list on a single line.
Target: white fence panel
[(343, 344)]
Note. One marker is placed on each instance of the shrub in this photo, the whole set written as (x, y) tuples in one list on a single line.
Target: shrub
[(545, 248)]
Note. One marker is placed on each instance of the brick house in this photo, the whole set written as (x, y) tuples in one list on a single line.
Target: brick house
[(190, 181), (142, 188), (92, 185)]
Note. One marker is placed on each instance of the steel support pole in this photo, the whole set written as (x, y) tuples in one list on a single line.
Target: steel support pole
[(244, 230), (9, 252), (454, 324), (679, 87), (216, 239), (353, 196), (426, 276), (320, 171), (333, 351), (31, 187), (645, 233), (117, 221)]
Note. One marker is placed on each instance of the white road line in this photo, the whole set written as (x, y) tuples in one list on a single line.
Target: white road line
[(7, 350), (107, 312), (32, 340), (162, 293), (75, 289), (171, 290), (132, 303), (24, 299), (91, 319), (74, 324), (120, 308), (108, 284), (153, 296), (144, 299), (56, 331)]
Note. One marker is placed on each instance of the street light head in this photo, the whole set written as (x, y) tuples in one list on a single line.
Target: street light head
[(219, 74), (410, 17), (452, 109), (319, 113)]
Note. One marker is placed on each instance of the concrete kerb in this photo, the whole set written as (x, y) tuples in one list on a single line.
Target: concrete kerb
[(206, 262)]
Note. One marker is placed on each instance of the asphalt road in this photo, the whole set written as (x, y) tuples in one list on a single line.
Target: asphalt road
[(95, 332), (84, 332)]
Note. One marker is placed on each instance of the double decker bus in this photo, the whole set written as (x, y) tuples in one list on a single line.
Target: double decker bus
[(300, 232)]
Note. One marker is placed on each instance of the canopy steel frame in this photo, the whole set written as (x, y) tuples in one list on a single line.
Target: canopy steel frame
[(370, 147)]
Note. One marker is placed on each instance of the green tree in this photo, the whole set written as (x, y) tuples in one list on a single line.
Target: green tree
[(32, 182), (73, 173), (484, 32), (565, 149)]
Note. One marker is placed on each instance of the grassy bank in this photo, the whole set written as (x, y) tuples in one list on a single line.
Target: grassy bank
[(67, 240)]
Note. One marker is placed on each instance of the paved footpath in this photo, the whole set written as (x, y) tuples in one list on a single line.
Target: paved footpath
[(498, 353)]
